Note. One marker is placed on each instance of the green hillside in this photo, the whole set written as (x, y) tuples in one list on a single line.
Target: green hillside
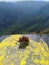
[(24, 17)]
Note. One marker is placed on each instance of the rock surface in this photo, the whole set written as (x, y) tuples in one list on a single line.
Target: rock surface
[(37, 53)]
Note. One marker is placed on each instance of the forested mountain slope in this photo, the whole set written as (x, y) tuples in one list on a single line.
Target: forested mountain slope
[(24, 17)]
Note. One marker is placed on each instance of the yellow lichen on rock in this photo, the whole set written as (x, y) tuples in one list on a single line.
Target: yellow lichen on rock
[(10, 41), (11, 63), (23, 61), (35, 53)]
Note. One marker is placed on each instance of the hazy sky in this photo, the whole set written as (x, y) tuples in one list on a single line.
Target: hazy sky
[(22, 0)]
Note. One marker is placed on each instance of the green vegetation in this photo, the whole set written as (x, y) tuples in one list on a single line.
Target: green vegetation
[(24, 17)]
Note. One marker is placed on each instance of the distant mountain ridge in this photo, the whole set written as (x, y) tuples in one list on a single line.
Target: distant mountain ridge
[(24, 17)]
